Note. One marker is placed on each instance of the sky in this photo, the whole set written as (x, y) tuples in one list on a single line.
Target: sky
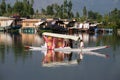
[(101, 6)]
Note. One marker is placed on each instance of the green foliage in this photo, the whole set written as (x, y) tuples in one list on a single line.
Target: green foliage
[(62, 11), (18, 7), (77, 15), (9, 8), (3, 7), (50, 10), (84, 11), (114, 18), (94, 15), (23, 8)]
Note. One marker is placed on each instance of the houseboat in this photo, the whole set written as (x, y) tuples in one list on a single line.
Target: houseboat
[(5, 23), (29, 25), (10, 23)]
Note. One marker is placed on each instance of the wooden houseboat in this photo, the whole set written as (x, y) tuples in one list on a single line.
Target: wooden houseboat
[(5, 23), (29, 25)]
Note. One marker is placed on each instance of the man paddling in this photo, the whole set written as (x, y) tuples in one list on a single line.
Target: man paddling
[(80, 54), (81, 44)]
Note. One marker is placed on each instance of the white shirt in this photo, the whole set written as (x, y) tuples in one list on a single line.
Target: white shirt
[(81, 44)]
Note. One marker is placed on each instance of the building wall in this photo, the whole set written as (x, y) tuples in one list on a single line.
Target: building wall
[(29, 23), (3, 21)]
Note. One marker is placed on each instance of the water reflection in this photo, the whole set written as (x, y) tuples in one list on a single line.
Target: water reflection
[(32, 39), (6, 38), (54, 58), (5, 43), (34, 64), (57, 59), (11, 43)]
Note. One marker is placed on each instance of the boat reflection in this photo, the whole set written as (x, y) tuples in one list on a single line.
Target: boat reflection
[(54, 58), (57, 59)]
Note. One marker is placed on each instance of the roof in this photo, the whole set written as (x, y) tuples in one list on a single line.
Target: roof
[(5, 18)]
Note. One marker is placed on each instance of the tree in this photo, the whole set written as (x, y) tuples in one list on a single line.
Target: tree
[(32, 2), (43, 11), (23, 8), (62, 11), (70, 14), (77, 15), (37, 11), (69, 6), (94, 15), (65, 6), (26, 8), (18, 8), (56, 8), (9, 8), (3, 7), (105, 20), (114, 18), (85, 12), (50, 10)]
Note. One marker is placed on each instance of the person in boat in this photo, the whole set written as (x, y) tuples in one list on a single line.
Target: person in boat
[(81, 44), (80, 54)]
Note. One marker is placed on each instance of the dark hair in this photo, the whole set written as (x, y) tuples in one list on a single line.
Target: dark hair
[(81, 40)]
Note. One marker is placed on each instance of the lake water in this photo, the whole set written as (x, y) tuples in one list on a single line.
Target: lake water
[(16, 63)]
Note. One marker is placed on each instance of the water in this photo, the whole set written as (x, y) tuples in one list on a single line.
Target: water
[(18, 64)]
